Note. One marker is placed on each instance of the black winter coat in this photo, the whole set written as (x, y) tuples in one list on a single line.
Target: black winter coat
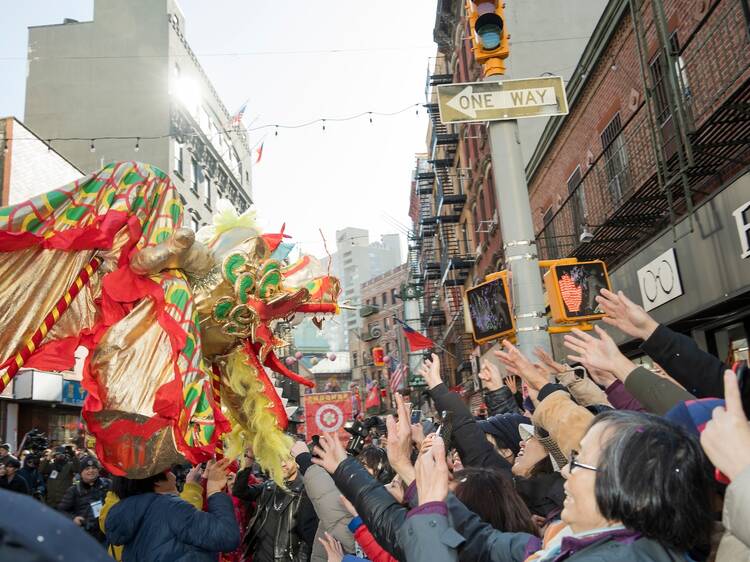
[(467, 436), (501, 401), (284, 523), (86, 500)]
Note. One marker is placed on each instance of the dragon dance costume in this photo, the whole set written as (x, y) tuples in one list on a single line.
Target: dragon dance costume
[(179, 332)]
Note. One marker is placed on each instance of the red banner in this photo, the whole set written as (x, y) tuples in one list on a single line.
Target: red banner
[(327, 412)]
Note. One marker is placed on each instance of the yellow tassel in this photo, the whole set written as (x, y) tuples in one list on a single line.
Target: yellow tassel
[(254, 424)]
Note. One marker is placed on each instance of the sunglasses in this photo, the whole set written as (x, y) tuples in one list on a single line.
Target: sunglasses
[(573, 463)]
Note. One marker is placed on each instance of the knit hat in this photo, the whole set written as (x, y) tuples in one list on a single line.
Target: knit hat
[(550, 445), (89, 461), (693, 415), (504, 428)]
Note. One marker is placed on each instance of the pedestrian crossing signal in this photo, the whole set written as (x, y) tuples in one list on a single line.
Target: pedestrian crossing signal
[(572, 290), (490, 309)]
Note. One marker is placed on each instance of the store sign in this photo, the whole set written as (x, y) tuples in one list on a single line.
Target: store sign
[(660, 281), (327, 412), (742, 216), (73, 393)]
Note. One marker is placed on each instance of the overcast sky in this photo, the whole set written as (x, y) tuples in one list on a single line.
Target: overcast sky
[(351, 174)]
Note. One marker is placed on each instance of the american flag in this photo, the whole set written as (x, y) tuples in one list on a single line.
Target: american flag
[(398, 376), (237, 117)]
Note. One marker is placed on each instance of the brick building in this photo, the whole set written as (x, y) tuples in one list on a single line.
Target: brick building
[(381, 303), (649, 170), (457, 240)]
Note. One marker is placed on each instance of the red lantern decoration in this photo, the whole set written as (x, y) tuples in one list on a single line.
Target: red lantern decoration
[(378, 356)]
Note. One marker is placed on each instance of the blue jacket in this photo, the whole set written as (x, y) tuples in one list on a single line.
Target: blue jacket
[(165, 528)]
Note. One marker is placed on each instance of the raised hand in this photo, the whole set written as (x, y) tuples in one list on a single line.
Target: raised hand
[(298, 448), (600, 353), (329, 453), (549, 362), (518, 364), (195, 474), (602, 378), (398, 446), (430, 370), (625, 315), (432, 474), (216, 475), (490, 375), (726, 437), (333, 548)]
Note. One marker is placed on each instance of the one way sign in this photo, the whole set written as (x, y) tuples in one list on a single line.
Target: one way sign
[(497, 101)]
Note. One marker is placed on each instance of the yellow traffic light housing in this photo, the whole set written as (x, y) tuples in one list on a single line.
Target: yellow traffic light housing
[(572, 289), (490, 308), (489, 35)]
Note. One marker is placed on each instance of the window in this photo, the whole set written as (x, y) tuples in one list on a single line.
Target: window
[(196, 175), (465, 232), (355, 359), (387, 348), (385, 324), (615, 159), (578, 201), (178, 158), (206, 189), (393, 296), (384, 299), (482, 209), (659, 78), (550, 238)]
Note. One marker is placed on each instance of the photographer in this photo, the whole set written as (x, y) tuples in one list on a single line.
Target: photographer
[(30, 473), (84, 500), (58, 474)]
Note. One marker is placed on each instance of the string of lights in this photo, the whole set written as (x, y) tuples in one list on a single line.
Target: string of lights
[(137, 139)]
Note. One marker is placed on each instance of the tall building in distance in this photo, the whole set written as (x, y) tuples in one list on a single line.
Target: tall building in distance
[(356, 261), (131, 73)]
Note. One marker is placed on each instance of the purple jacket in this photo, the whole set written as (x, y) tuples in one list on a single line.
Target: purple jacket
[(621, 399)]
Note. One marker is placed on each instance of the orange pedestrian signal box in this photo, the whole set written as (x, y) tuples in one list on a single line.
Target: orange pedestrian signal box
[(490, 308), (378, 356), (572, 289)]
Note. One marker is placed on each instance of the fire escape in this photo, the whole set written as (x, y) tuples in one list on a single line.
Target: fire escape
[(689, 135), (451, 268)]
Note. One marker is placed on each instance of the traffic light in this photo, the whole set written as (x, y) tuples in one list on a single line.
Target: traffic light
[(489, 35), (572, 290)]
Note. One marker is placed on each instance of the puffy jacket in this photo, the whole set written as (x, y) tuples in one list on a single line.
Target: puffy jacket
[(735, 544), (566, 421), (467, 436), (191, 493), (324, 496), (163, 527), (80, 501)]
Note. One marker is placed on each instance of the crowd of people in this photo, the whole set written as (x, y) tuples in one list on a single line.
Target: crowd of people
[(596, 458)]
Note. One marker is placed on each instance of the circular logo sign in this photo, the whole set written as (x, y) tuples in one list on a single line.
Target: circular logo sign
[(329, 418)]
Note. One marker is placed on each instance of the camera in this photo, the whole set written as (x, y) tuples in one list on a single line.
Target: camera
[(360, 430), (36, 442)]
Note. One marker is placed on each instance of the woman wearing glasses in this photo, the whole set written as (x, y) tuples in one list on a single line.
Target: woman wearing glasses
[(637, 489)]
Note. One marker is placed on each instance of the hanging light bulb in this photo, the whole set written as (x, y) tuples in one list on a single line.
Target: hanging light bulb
[(92, 148), (137, 144), (276, 133), (370, 113), (324, 124)]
